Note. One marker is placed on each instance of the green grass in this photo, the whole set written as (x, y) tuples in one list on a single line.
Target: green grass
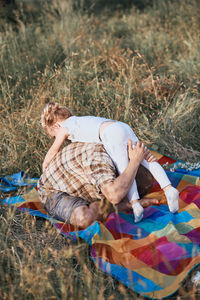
[(135, 63)]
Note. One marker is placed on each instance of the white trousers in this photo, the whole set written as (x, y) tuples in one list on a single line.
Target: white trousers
[(115, 140)]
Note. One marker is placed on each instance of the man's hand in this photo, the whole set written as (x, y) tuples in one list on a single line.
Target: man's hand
[(138, 153)]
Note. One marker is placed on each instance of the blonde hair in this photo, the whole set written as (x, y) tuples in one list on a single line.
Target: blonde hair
[(54, 112)]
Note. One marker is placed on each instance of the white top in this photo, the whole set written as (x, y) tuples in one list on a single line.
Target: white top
[(83, 129)]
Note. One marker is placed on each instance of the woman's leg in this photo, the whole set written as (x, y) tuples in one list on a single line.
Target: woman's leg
[(115, 140), (158, 173), (161, 177)]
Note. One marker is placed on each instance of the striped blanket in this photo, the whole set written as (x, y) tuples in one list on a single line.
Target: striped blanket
[(151, 257)]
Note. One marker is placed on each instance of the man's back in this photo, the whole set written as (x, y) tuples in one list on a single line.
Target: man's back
[(79, 169)]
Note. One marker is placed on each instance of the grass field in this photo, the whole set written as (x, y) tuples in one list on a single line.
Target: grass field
[(135, 61)]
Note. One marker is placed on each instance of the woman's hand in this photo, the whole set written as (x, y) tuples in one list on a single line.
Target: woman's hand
[(150, 157)]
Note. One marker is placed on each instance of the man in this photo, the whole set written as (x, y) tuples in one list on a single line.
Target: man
[(82, 176)]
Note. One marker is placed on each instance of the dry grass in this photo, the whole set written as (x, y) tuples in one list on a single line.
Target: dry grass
[(134, 67), (138, 66)]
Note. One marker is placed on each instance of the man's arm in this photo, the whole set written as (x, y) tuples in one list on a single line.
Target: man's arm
[(116, 190)]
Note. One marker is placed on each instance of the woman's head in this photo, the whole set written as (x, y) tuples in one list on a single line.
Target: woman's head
[(54, 112)]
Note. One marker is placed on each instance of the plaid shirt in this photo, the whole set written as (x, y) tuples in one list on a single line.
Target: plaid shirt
[(79, 169)]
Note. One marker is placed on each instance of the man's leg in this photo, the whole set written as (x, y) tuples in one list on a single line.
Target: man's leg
[(72, 210), (83, 216)]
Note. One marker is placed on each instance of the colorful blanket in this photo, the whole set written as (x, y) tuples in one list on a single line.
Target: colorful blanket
[(151, 257)]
